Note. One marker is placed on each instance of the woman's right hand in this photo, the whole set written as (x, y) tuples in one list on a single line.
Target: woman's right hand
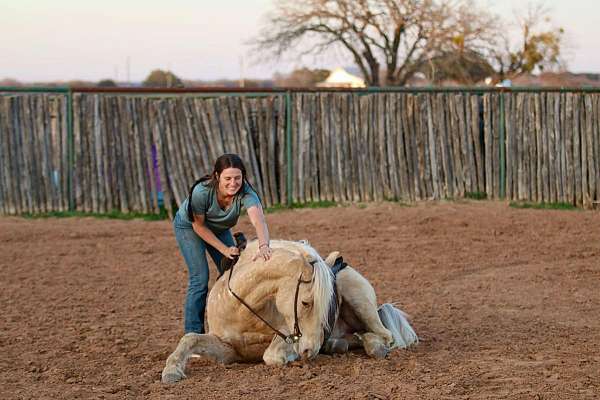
[(231, 252)]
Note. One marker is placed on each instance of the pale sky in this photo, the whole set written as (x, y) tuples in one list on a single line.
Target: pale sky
[(46, 40)]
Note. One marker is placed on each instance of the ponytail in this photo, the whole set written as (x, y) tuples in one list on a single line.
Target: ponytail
[(190, 212)]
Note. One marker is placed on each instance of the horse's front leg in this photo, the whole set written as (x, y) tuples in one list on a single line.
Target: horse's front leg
[(341, 339), (279, 352), (194, 343)]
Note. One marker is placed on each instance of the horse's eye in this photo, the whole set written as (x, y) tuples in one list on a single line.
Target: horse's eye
[(306, 304)]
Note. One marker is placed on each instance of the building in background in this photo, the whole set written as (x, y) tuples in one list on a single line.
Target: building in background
[(340, 78)]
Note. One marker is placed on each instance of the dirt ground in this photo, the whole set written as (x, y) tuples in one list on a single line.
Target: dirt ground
[(506, 303)]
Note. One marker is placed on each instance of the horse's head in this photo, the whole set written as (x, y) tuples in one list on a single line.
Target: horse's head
[(313, 282)]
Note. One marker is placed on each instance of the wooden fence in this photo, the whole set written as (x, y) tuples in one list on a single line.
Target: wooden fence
[(126, 149), (33, 154), (553, 147), (387, 146)]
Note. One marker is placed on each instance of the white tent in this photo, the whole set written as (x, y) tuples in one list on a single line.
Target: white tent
[(340, 78)]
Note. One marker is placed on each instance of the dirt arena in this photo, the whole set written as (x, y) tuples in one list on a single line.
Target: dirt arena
[(506, 303)]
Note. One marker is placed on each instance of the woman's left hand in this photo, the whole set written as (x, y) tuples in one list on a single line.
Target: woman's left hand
[(263, 252)]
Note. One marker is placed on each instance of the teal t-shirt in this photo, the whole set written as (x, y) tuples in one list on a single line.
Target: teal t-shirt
[(204, 201)]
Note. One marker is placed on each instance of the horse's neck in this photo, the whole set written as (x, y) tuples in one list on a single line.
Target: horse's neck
[(257, 284)]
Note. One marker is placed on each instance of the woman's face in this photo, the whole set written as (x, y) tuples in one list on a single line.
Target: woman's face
[(230, 181)]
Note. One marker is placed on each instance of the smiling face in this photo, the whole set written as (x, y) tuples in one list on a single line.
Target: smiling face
[(230, 181)]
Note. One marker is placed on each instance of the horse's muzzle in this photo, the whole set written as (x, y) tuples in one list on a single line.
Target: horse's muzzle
[(308, 354)]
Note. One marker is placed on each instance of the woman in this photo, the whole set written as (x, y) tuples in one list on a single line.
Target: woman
[(203, 223)]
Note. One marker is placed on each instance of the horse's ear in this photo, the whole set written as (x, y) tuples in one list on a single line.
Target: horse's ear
[(296, 261), (330, 260)]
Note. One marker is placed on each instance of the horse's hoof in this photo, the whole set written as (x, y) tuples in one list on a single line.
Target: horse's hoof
[(379, 351), (280, 359), (340, 346), (335, 346), (172, 375)]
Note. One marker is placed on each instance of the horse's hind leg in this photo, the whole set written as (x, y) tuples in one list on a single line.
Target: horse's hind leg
[(374, 345), (359, 296), (194, 343), (358, 335)]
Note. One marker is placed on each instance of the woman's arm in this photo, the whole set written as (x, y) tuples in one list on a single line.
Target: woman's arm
[(257, 218), (209, 237)]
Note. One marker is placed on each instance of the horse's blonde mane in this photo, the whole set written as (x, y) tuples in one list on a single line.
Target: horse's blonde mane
[(322, 288)]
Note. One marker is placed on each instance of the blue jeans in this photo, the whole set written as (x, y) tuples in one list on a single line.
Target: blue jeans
[(194, 249)]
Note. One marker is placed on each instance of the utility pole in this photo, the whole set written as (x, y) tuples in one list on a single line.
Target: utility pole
[(242, 83), (169, 83)]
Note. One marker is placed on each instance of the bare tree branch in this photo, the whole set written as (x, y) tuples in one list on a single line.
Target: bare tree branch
[(399, 37)]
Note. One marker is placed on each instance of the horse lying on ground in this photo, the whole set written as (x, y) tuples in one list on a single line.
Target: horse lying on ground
[(298, 309)]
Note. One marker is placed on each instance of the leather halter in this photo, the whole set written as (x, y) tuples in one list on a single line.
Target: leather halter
[(291, 338)]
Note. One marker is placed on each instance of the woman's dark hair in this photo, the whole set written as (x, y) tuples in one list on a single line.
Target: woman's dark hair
[(223, 162)]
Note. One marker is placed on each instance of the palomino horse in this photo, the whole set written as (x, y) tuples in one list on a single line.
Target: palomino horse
[(293, 299)]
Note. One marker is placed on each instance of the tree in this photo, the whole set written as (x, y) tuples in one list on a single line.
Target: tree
[(106, 83), (540, 45), (303, 77), (393, 37), (465, 67), (10, 82), (162, 79)]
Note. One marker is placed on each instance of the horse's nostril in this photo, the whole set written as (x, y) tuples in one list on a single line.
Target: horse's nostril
[(307, 354)]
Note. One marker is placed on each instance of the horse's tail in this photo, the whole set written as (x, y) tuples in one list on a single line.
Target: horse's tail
[(396, 321)]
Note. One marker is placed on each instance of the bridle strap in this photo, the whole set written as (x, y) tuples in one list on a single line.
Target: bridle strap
[(294, 337), (277, 331), (297, 333)]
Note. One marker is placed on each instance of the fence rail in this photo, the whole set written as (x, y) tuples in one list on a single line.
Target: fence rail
[(97, 152)]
